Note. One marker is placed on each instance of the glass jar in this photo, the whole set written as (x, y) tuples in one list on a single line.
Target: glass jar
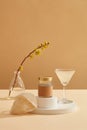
[(45, 87)]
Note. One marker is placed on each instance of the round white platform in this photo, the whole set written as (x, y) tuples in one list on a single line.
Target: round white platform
[(60, 109)]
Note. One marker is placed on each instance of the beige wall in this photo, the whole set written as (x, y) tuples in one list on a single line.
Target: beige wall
[(26, 23)]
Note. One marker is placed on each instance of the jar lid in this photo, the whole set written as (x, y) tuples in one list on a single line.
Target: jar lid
[(48, 78)]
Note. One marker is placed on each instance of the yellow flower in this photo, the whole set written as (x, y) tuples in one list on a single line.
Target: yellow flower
[(37, 52), (45, 44), (31, 56), (21, 68)]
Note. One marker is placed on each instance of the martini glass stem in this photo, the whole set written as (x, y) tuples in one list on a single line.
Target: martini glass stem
[(64, 92)]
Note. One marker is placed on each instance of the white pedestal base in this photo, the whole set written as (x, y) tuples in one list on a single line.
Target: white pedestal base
[(59, 109)]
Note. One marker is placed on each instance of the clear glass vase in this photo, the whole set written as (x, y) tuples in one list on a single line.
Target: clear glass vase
[(16, 85)]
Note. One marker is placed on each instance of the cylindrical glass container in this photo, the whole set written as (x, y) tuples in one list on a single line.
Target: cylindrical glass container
[(45, 87)]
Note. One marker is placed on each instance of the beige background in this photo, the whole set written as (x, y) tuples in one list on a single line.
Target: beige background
[(26, 23)]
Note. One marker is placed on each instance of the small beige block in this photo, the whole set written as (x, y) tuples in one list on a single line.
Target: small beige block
[(23, 104)]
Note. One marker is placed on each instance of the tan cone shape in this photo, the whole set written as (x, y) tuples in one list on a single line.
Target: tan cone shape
[(22, 105)]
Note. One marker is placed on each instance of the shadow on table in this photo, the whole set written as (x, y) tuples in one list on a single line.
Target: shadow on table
[(6, 114)]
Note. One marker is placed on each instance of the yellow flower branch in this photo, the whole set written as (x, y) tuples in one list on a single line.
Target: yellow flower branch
[(30, 55)]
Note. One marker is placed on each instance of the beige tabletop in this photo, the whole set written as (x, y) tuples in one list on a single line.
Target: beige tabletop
[(71, 121)]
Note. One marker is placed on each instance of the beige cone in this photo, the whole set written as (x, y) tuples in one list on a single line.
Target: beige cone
[(23, 104)]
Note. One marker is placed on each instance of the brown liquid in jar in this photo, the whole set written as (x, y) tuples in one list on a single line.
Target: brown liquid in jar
[(45, 88)]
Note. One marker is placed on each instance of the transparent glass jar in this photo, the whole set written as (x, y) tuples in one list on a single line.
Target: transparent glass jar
[(45, 87), (19, 86)]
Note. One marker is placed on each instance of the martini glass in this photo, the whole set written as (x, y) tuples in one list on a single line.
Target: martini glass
[(64, 76)]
